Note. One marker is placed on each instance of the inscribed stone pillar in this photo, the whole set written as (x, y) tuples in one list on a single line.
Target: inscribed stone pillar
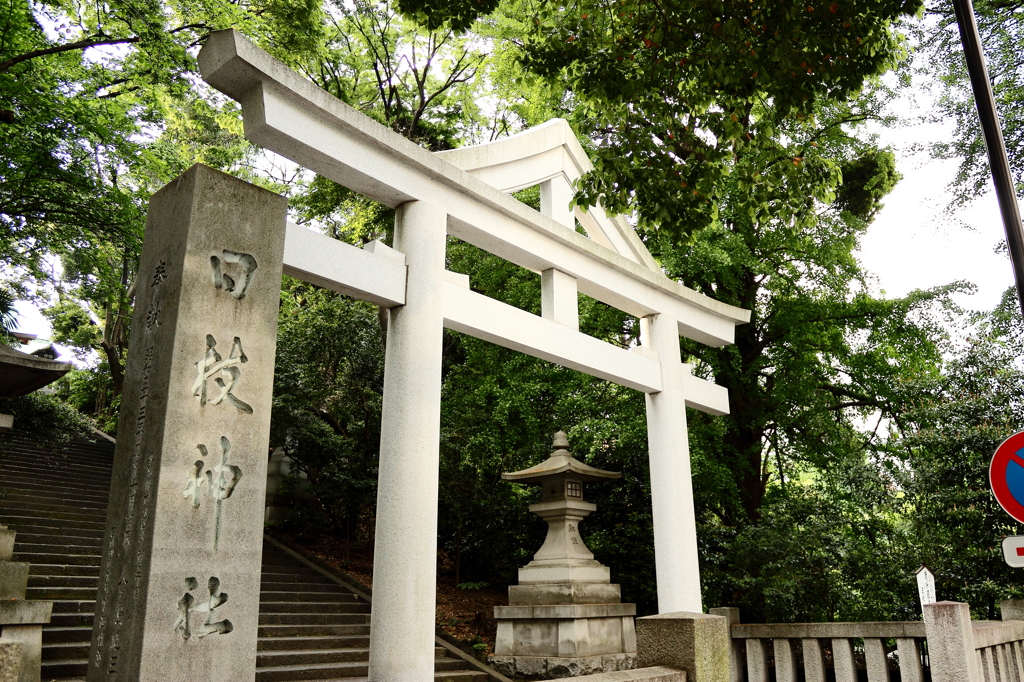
[(675, 526), (405, 545), (180, 579)]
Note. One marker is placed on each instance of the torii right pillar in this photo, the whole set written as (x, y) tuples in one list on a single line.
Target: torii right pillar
[(675, 525)]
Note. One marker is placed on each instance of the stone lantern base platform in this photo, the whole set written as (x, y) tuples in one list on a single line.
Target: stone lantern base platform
[(564, 640), (541, 668)]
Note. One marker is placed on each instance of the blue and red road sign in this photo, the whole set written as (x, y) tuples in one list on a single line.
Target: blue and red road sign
[(1006, 475)]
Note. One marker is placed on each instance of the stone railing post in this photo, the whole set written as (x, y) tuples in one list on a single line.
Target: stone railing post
[(1011, 609), (695, 642), (951, 642), (736, 658)]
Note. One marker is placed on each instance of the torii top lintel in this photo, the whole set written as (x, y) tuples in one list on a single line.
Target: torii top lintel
[(286, 113)]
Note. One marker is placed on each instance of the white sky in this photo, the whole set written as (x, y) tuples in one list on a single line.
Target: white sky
[(915, 244)]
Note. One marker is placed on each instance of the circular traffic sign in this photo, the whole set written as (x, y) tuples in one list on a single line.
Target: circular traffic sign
[(1006, 476)]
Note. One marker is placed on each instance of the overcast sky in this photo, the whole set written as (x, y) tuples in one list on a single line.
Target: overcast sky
[(915, 244)]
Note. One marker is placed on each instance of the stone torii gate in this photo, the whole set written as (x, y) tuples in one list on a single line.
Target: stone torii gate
[(459, 193)]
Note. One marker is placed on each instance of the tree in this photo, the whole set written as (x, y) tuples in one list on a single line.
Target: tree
[(942, 63), (946, 437), (328, 382), (676, 94), (99, 110), (731, 132)]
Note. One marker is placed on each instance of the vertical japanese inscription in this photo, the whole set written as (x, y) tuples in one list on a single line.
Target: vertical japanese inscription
[(140, 482)]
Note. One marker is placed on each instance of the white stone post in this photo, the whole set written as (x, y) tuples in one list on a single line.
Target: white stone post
[(185, 523), (842, 659), (675, 527), (405, 550), (737, 659), (559, 301), (555, 195), (814, 660), (951, 642)]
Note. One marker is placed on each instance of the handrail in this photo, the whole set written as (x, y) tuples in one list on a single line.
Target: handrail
[(993, 633), (879, 629)]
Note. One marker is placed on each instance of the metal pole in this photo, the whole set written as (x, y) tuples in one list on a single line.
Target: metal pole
[(998, 162)]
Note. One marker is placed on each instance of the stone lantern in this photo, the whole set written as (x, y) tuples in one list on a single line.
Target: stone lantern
[(564, 618)]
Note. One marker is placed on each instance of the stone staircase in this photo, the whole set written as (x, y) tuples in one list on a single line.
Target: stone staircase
[(311, 626)]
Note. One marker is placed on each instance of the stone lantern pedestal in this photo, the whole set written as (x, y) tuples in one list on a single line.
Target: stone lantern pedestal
[(564, 618)]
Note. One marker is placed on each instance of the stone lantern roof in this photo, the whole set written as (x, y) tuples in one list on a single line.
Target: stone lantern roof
[(560, 462)]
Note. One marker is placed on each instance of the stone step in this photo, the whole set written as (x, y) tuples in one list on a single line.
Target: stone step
[(280, 559), (61, 593), (315, 642), (346, 669), (314, 618), (273, 597), (301, 587), (460, 676), (18, 520), (72, 620), (64, 581), (50, 558), (92, 479), (89, 513), (330, 671), (35, 491), (43, 529), (65, 549), (66, 668), (311, 630), (76, 520), (284, 574), (313, 607), (64, 635), (93, 543), (69, 606), (271, 659), (444, 676), (58, 569), (66, 651)]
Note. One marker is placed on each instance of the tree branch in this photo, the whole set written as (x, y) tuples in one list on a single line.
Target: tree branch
[(69, 47)]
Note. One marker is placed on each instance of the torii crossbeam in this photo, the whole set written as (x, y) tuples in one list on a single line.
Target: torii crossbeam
[(449, 193)]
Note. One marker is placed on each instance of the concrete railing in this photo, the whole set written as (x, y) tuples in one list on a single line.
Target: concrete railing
[(946, 647), (813, 647), (975, 651)]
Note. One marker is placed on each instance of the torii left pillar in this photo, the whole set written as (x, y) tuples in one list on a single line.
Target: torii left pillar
[(405, 541), (185, 523)]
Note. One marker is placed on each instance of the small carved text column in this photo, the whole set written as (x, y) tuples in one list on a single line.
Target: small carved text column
[(180, 579)]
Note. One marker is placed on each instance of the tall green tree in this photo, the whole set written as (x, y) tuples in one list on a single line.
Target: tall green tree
[(942, 66), (945, 438)]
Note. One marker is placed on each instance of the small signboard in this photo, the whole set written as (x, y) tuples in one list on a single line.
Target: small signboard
[(926, 585), (1013, 550), (1006, 476)]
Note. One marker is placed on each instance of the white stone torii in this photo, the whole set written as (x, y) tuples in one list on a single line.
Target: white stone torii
[(461, 193)]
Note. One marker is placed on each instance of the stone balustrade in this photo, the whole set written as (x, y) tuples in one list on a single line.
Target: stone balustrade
[(947, 645), (813, 647)]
